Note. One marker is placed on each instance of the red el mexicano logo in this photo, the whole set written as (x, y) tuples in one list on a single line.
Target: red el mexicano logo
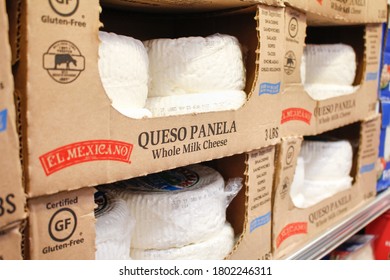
[(296, 114), (85, 151), (290, 230), (319, 1)]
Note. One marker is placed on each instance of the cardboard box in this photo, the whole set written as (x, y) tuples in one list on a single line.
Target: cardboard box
[(12, 197), (11, 244), (342, 11), (301, 114), (62, 226), (294, 227), (250, 211), (73, 138)]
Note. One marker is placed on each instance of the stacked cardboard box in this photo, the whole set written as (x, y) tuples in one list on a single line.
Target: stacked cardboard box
[(294, 226), (12, 197), (69, 128), (74, 140)]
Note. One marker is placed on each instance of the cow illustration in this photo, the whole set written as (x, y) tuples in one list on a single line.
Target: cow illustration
[(290, 62), (64, 58)]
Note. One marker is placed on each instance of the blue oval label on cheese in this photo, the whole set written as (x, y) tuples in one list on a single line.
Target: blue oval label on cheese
[(172, 180)]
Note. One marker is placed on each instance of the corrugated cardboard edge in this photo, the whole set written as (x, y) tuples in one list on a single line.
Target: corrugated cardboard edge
[(13, 197), (11, 243)]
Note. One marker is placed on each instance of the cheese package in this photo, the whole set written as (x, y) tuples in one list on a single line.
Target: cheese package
[(177, 207), (328, 70), (217, 247), (124, 73), (323, 170), (114, 225)]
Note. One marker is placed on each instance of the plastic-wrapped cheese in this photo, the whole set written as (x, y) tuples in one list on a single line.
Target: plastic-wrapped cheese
[(327, 160), (298, 181), (195, 64), (114, 224), (217, 247), (175, 208), (123, 67), (195, 103), (333, 64), (324, 91), (313, 192), (322, 171)]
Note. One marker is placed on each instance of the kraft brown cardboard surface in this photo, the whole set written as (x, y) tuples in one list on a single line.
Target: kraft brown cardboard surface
[(12, 197), (72, 137), (11, 244)]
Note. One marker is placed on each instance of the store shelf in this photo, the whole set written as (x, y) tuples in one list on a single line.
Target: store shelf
[(353, 223)]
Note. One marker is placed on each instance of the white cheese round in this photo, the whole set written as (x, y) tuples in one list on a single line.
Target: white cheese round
[(123, 67), (195, 64), (174, 208), (114, 224), (217, 247), (195, 103), (328, 64), (327, 160), (325, 91)]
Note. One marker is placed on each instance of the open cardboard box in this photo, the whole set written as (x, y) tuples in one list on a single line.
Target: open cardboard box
[(62, 226), (341, 11), (73, 138), (12, 197), (11, 243), (293, 227), (301, 114)]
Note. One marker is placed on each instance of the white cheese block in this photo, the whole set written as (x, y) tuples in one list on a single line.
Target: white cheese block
[(195, 64), (174, 208), (195, 103), (217, 247), (313, 192), (333, 64), (114, 224), (123, 67), (326, 91), (297, 183), (327, 160)]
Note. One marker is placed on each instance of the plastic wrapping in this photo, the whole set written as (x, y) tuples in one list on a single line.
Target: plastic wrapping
[(328, 70), (323, 170), (217, 247), (177, 207), (114, 226), (195, 64), (196, 103), (123, 67)]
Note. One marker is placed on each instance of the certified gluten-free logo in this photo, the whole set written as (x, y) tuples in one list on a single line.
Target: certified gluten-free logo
[(62, 224), (293, 27), (63, 61), (290, 155), (64, 8)]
